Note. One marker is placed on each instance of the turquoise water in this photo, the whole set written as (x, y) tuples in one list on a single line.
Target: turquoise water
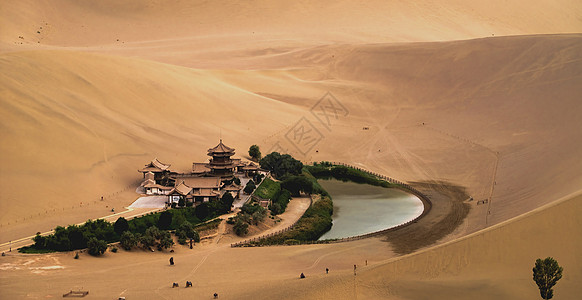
[(362, 208)]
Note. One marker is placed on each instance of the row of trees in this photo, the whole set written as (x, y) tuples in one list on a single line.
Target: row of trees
[(147, 231)]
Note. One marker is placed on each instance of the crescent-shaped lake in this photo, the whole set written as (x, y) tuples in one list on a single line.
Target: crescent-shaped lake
[(362, 208)]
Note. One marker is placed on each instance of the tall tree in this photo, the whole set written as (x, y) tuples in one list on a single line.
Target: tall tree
[(546, 274), (120, 226), (255, 152), (165, 220)]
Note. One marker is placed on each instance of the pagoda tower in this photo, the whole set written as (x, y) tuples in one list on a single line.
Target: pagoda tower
[(221, 164)]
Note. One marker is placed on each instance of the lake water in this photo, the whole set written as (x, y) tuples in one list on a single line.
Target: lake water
[(362, 208)]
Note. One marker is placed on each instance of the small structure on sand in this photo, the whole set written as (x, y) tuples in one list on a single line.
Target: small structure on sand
[(78, 294)]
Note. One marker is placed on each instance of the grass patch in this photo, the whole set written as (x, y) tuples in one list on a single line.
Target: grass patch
[(268, 189)]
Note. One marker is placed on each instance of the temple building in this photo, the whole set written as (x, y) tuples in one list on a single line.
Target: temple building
[(205, 182), (221, 164)]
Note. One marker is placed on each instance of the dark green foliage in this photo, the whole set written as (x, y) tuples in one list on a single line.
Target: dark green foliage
[(258, 178), (76, 237), (250, 187), (166, 241), (252, 213), (240, 227), (128, 240), (114, 249), (328, 171), (236, 181), (165, 220), (181, 202), (546, 274), (120, 226), (281, 165), (279, 202), (96, 246), (297, 184), (255, 152), (202, 211), (276, 209), (225, 203), (259, 215), (186, 231)]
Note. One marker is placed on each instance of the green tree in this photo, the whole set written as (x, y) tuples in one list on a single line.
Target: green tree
[(202, 211), (96, 247), (226, 202), (255, 152), (166, 241), (240, 227), (297, 184), (281, 165), (76, 237), (165, 220), (546, 274), (181, 202), (120, 226), (259, 215), (250, 187), (128, 240)]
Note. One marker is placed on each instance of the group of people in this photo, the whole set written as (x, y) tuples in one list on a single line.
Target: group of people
[(327, 270)]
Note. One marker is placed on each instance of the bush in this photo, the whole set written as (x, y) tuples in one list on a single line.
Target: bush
[(96, 247), (128, 240), (114, 249), (120, 226), (250, 187), (297, 184), (165, 220), (166, 241), (202, 211), (240, 227)]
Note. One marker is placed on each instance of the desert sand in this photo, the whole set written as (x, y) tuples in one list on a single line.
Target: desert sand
[(484, 96)]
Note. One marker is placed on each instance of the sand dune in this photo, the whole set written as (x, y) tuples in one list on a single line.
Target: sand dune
[(90, 91)]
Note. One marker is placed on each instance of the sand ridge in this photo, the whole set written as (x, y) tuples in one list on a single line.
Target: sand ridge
[(89, 92)]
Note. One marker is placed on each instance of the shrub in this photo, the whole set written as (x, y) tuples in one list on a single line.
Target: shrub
[(128, 240), (165, 220), (96, 247), (297, 184), (114, 249), (120, 226), (240, 227), (202, 211), (250, 187)]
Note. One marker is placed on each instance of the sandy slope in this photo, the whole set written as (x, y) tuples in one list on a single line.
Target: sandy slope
[(103, 87)]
